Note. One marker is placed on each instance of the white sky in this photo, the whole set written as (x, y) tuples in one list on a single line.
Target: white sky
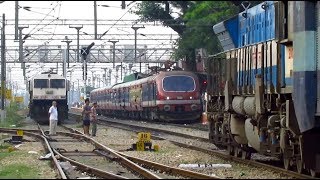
[(76, 10)]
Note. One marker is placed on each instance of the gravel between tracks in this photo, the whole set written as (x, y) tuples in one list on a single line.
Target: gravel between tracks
[(184, 130), (173, 155), (169, 154)]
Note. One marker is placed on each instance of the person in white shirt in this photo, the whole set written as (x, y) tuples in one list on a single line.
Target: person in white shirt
[(53, 118)]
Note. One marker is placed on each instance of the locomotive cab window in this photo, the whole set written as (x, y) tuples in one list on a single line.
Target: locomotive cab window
[(41, 83), (178, 83), (57, 83)]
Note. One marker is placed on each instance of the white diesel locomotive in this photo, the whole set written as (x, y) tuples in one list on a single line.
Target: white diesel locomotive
[(43, 89)]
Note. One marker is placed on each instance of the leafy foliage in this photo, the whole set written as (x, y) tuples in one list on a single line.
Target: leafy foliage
[(159, 11), (200, 19), (192, 20), (12, 118)]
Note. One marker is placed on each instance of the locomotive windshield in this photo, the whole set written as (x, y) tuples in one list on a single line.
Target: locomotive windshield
[(41, 83), (57, 83), (178, 83)]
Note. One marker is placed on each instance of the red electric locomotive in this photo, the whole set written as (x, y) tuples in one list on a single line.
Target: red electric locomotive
[(167, 96)]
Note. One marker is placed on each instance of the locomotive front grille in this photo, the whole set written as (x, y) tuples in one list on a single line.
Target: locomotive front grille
[(179, 108)]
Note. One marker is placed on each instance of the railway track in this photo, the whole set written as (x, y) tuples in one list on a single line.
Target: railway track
[(43, 139), (173, 171), (164, 134), (116, 123), (193, 125), (86, 147), (133, 166)]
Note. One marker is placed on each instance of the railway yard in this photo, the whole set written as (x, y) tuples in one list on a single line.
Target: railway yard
[(187, 90), (184, 152)]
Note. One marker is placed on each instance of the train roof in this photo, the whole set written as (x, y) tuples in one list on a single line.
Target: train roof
[(131, 83), (150, 78), (102, 88), (48, 76), (233, 33)]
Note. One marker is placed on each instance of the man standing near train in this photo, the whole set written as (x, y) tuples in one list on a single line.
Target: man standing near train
[(86, 117), (53, 118), (94, 118)]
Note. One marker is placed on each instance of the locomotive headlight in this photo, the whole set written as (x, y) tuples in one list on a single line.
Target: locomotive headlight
[(191, 97), (194, 107), (166, 107), (168, 98)]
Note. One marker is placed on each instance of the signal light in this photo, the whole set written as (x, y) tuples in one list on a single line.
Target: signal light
[(204, 86), (86, 50)]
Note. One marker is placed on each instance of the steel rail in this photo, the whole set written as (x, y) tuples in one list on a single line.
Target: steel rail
[(104, 120), (221, 154), (240, 160), (125, 161), (84, 167), (164, 168), (161, 130), (48, 147), (183, 172), (53, 151), (129, 164)]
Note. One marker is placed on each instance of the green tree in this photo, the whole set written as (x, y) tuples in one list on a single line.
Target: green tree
[(170, 13), (192, 20), (199, 33)]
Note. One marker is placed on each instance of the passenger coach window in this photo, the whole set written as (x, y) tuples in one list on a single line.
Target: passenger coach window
[(57, 83), (178, 83), (41, 83)]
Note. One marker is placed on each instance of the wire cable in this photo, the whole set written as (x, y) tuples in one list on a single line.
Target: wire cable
[(116, 22), (60, 3), (53, 9)]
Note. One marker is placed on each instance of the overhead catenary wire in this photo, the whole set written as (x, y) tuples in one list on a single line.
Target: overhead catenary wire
[(60, 3), (115, 24), (53, 9), (53, 35), (36, 12)]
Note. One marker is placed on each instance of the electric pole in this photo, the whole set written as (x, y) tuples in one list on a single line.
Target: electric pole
[(114, 50), (21, 58), (121, 72), (105, 76), (95, 19), (135, 28), (21, 43), (67, 56), (16, 20), (78, 30), (109, 77), (3, 68)]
